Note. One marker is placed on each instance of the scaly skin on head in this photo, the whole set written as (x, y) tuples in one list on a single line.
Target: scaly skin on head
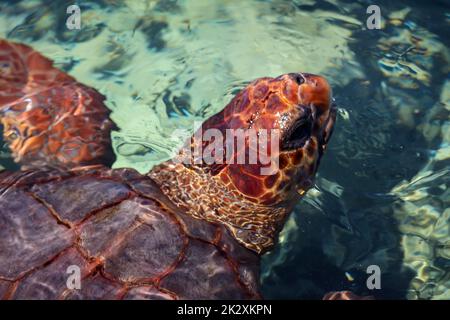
[(254, 206)]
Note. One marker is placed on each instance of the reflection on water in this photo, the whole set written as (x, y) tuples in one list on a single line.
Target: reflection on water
[(382, 192)]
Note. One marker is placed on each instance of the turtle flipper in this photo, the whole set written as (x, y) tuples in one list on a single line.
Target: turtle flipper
[(50, 119)]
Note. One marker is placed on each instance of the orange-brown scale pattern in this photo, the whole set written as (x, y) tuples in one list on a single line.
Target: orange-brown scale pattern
[(50, 119)]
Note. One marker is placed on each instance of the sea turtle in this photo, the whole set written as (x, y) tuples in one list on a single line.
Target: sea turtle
[(185, 230)]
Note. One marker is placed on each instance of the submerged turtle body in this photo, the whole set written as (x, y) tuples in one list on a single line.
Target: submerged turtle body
[(187, 230), (48, 118), (127, 239)]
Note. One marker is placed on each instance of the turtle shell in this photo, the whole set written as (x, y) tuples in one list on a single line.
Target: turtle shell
[(126, 239)]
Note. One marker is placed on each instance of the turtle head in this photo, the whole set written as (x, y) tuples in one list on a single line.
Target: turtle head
[(249, 164), (274, 133)]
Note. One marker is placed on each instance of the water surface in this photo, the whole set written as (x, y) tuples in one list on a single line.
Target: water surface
[(382, 191)]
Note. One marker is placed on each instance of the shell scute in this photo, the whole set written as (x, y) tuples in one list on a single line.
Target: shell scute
[(50, 281), (148, 252), (75, 198), (211, 279), (95, 287), (30, 235)]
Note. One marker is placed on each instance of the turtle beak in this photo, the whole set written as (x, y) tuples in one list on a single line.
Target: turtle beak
[(315, 92)]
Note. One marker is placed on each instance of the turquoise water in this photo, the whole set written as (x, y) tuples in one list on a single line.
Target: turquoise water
[(382, 190)]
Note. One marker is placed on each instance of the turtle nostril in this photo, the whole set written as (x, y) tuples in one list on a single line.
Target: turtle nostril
[(299, 78)]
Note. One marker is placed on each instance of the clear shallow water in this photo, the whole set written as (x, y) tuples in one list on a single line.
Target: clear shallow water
[(382, 191)]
